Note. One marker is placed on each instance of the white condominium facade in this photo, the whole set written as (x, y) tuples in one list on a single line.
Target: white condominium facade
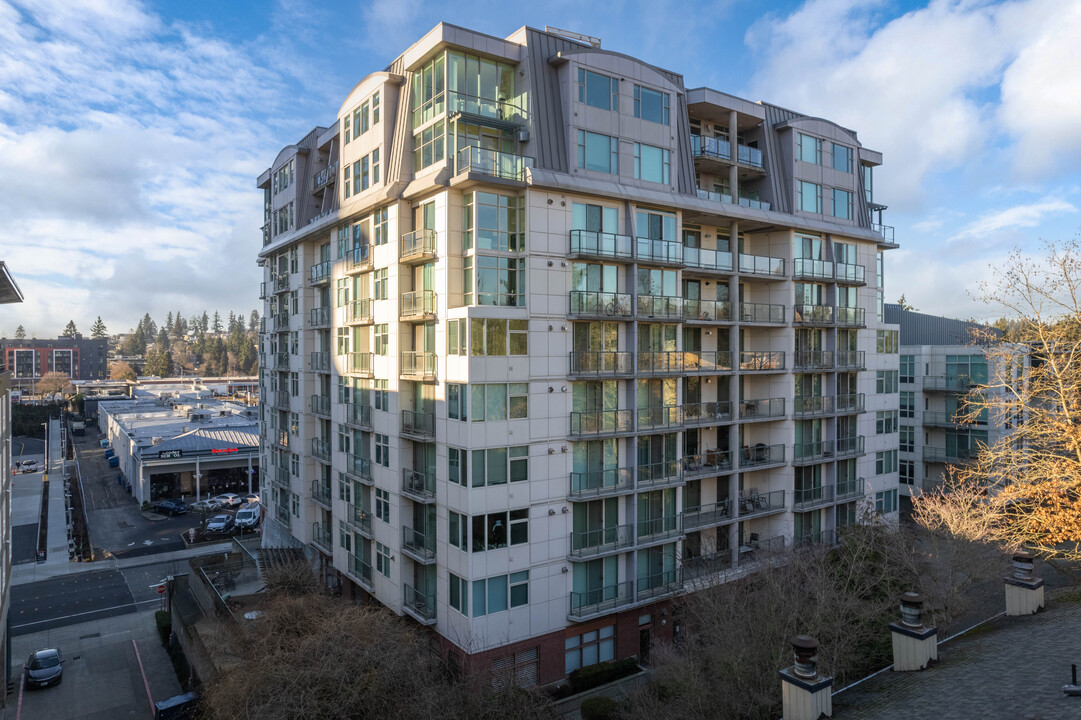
[(551, 338)]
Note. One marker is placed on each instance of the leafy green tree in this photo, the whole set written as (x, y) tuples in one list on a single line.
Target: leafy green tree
[(98, 330), (70, 331), (20, 333)]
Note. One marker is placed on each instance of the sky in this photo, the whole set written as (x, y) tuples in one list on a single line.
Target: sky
[(131, 133)]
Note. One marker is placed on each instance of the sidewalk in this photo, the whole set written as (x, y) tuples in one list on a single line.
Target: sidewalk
[(32, 572)]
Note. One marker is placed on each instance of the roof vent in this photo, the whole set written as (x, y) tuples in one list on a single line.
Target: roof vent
[(155, 441)]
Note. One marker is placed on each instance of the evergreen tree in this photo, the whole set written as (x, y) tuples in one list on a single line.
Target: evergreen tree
[(232, 321), (169, 323), (150, 328), (70, 331), (97, 330), (253, 321), (163, 339), (180, 327), (159, 362), (20, 333), (134, 345), (204, 322), (217, 322)]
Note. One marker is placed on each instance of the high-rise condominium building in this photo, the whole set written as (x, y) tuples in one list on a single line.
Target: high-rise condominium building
[(550, 338), (9, 293)]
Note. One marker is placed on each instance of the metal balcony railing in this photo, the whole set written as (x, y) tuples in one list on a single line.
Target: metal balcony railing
[(321, 448), (319, 317), (822, 537), (418, 365), (949, 455), (320, 405), (601, 422), (659, 418), (601, 483), (659, 474), (753, 503), (359, 312), (806, 498), (761, 360), (320, 362), (851, 317), (496, 109), (603, 305), (660, 363), (590, 363), (281, 399), (417, 245), (320, 273), (281, 282), (850, 446), (706, 413), (850, 489), (701, 516), (812, 315), (506, 166), (601, 601), (761, 313), (762, 409), (947, 384), (588, 243), (361, 571), (812, 360), (325, 177), (711, 462), (419, 424), (417, 305), (359, 414), (660, 584), (418, 545), (760, 455), (417, 485), (591, 543), (360, 363), (281, 361), (851, 360), (360, 517), (321, 538), (655, 250), (886, 231), (359, 259), (281, 321), (360, 467), (659, 306), (812, 452), (707, 361), (321, 492), (707, 310), (659, 528), (813, 405), (418, 604)]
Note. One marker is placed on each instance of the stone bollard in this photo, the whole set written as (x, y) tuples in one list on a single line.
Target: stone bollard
[(1024, 592), (805, 695), (915, 647)]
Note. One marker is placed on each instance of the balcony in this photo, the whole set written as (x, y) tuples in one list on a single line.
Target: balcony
[(319, 362), (361, 572), (851, 317), (281, 476), (761, 456), (701, 566), (716, 261), (761, 314), (262, 291), (661, 307), (820, 538), (600, 245), (418, 486), (358, 259), (711, 147), (360, 518), (706, 515), (765, 361), (850, 490), (658, 585), (321, 449), (755, 504), (319, 317), (652, 419), (601, 483), (360, 364), (588, 363), (360, 468), (601, 423), (324, 177), (281, 361), (808, 269), (601, 305), (660, 363), (281, 438), (813, 406), (659, 475), (604, 600), (419, 605), (707, 311), (417, 306), (418, 546), (812, 315), (281, 514), (321, 405), (815, 360), (281, 282), (849, 360), (281, 322), (593, 543), (850, 274), (493, 163), (321, 493), (941, 419), (359, 312), (886, 231), (809, 453), (659, 529), (761, 409), (417, 246), (761, 266), (360, 415), (419, 366), (281, 399), (707, 361), (949, 455), (812, 497), (321, 539), (320, 273), (749, 156), (418, 425), (652, 251), (850, 447), (940, 383), (490, 108), (707, 464), (706, 413), (753, 203)]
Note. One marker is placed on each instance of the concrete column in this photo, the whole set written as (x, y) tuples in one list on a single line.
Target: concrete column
[(733, 147), (805, 695), (249, 474), (915, 647)]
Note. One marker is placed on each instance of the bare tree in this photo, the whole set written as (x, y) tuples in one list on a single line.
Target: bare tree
[(53, 382), (121, 370)]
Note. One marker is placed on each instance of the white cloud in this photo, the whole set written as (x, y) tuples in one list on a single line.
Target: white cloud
[(1019, 216)]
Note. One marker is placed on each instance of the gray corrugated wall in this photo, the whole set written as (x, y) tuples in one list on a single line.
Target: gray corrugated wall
[(922, 329), (548, 137), (686, 182), (777, 172), (402, 123)]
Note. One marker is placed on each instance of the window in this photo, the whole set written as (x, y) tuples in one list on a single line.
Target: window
[(494, 221), (345, 488), (296, 505), (908, 403), (907, 442), (651, 163), (381, 396), (364, 115), (842, 158), (457, 337), (809, 199), (597, 152), (500, 401), (495, 530), (344, 439), (459, 593), (500, 281), (885, 422), (379, 286), (345, 538), (382, 504), (456, 401), (885, 382), (428, 85), (810, 149), (342, 291), (886, 502), (492, 595), (496, 338), (382, 559), (842, 204), (497, 466), (382, 338), (346, 131), (382, 450), (907, 369), (885, 462), (596, 90), (375, 108), (886, 341), (906, 470), (341, 345), (456, 467), (428, 146), (294, 464), (595, 646), (379, 219), (650, 105), (459, 530)]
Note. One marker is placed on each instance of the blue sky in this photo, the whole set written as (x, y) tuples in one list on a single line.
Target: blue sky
[(131, 132)]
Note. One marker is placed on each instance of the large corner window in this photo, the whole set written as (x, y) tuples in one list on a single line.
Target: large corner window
[(596, 90), (428, 91), (428, 146), (500, 281), (479, 86), (493, 222)]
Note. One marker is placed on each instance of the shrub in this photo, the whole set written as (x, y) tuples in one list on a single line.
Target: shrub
[(592, 676), (599, 708), (165, 626)]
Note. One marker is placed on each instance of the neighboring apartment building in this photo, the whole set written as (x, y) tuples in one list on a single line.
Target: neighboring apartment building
[(550, 338), (9, 293), (939, 362), (77, 357)]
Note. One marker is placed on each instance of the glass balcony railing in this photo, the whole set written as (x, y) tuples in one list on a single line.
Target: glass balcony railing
[(360, 363), (706, 515), (710, 462), (321, 448), (707, 361), (851, 359), (281, 321), (418, 604), (749, 156), (663, 307), (281, 399), (659, 418), (418, 423), (752, 502), (359, 312), (590, 363), (320, 273), (358, 259), (418, 485), (761, 265), (754, 203), (602, 422), (590, 543), (281, 361), (601, 244), (418, 365), (659, 474), (588, 303), (417, 245), (804, 268), (320, 405), (659, 528), (652, 250), (761, 313), (419, 545), (360, 517), (947, 384), (761, 360), (660, 363), (495, 109), (714, 196), (319, 362), (707, 310), (601, 483), (812, 315), (494, 163), (362, 571), (360, 467), (850, 489), (600, 601), (886, 231), (703, 259), (702, 146), (949, 454), (762, 409), (321, 492), (850, 446), (851, 317), (848, 404), (706, 413), (319, 317), (812, 452), (760, 455), (806, 498), (812, 405), (359, 414), (325, 177), (321, 538), (850, 274), (417, 305), (812, 360)]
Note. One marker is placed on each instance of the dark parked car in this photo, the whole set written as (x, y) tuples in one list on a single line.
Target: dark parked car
[(45, 667), (220, 524), (171, 507)]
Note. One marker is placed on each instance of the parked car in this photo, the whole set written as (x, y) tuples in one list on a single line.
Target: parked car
[(30, 466), (205, 505), (251, 499), (229, 500), (248, 517), (220, 524), (171, 507), (45, 667)]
